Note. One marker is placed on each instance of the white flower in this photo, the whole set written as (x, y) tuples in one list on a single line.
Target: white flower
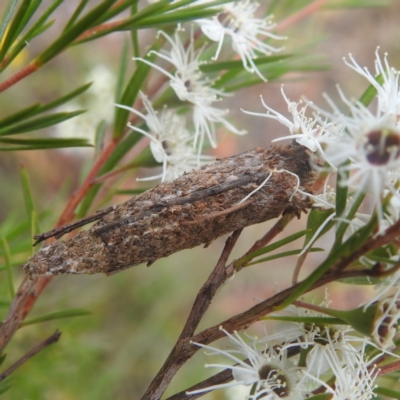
[(237, 21), (273, 376), (371, 142), (352, 380), (191, 85), (171, 143), (388, 92), (329, 347), (309, 132)]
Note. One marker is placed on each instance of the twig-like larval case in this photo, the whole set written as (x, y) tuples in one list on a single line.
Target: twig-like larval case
[(196, 208)]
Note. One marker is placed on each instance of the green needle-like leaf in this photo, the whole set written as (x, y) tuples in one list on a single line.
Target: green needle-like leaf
[(7, 258), (307, 320), (14, 28), (6, 385), (122, 73), (12, 5), (29, 112), (29, 204), (65, 98), (130, 93), (39, 123), (269, 248), (238, 64), (41, 143), (76, 14), (318, 223), (73, 33), (282, 255), (190, 14), (73, 312), (20, 115), (389, 393)]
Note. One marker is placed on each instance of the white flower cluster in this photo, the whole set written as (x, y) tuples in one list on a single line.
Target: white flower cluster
[(363, 146), (336, 364), (172, 144), (313, 359)]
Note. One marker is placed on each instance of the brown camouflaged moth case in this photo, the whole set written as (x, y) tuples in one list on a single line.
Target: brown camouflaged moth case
[(196, 208)]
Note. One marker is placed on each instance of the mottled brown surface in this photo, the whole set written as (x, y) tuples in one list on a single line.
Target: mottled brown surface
[(194, 209)]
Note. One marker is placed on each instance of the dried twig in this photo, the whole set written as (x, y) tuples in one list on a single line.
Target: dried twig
[(50, 340), (200, 306)]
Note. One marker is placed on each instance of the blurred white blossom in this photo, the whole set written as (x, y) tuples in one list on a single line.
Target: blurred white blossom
[(171, 143), (99, 102)]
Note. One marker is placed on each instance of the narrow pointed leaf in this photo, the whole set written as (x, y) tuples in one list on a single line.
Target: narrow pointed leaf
[(6, 385), (29, 204), (75, 312), (7, 259), (20, 115), (389, 393), (35, 109), (238, 64), (76, 14), (100, 136), (65, 98), (130, 94), (40, 123), (281, 255), (12, 4), (14, 28), (271, 247), (42, 143), (134, 32), (172, 18), (317, 221), (307, 320), (71, 34), (121, 73)]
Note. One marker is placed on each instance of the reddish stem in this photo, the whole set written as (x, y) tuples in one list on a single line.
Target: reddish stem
[(29, 290), (24, 72), (76, 198), (303, 13)]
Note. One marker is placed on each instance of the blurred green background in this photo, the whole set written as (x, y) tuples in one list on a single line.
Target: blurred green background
[(137, 314)]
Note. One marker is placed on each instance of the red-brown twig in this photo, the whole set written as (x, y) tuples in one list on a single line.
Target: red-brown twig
[(23, 73), (30, 290), (303, 13)]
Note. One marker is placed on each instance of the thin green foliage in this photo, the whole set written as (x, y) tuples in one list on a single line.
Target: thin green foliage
[(7, 258), (73, 312), (76, 14), (12, 5), (29, 204), (282, 255), (291, 238), (6, 385)]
